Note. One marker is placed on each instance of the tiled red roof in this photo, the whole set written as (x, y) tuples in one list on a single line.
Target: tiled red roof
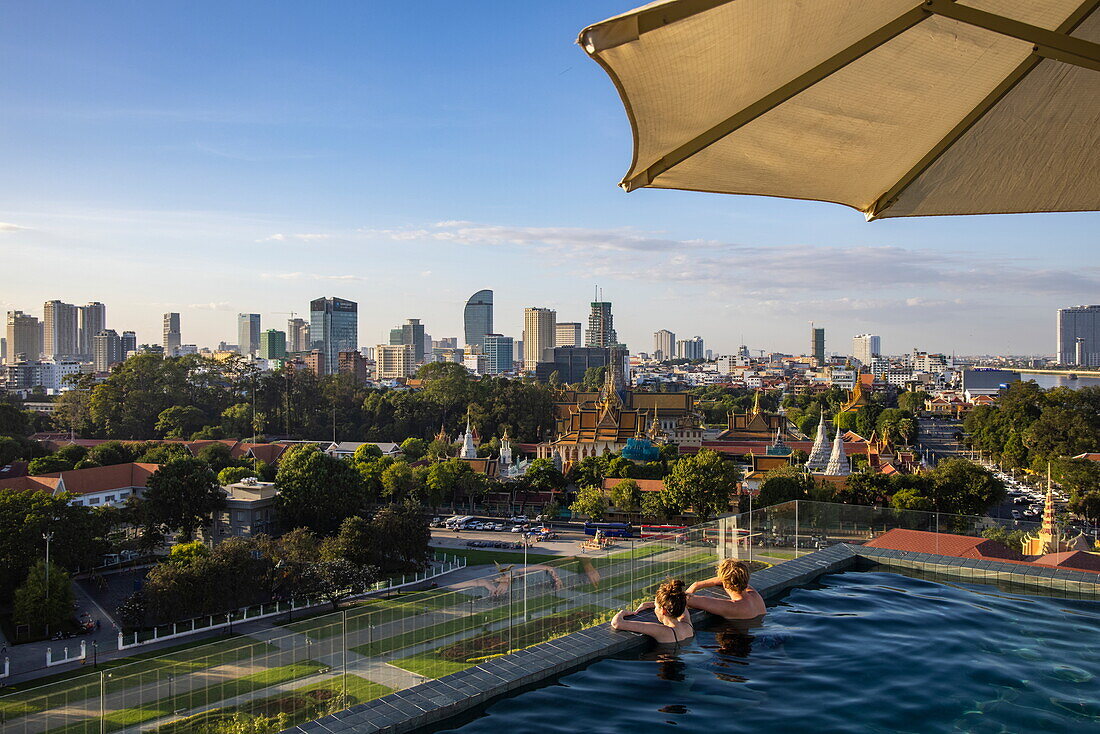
[(1079, 560), (944, 544), (646, 485)]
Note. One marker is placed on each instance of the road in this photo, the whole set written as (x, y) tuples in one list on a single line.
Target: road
[(937, 437)]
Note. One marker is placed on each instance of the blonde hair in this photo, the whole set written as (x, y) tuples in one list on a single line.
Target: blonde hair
[(671, 597), (733, 574)]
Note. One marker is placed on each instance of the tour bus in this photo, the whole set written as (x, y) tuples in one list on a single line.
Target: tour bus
[(610, 529), (661, 531)]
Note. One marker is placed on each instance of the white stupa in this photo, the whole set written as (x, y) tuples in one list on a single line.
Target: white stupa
[(469, 451), (818, 461), (838, 460)]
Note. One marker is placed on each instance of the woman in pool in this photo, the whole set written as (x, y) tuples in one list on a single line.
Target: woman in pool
[(673, 618), (743, 603)]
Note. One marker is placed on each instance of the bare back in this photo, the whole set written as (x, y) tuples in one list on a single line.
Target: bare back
[(746, 605)]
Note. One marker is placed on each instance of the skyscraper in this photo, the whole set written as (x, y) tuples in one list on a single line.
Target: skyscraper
[(61, 337), (538, 336), (106, 350), (865, 347), (248, 333), (297, 335), (412, 333), (817, 344), (272, 344), (171, 341), (1078, 336), (477, 318), (567, 334), (498, 354), (664, 344), (129, 343), (333, 328), (601, 326), (690, 348), (24, 337), (392, 361), (93, 319)]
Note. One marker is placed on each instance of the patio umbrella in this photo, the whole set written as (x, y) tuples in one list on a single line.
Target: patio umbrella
[(894, 107)]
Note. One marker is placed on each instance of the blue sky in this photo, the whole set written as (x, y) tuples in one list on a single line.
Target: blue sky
[(211, 158)]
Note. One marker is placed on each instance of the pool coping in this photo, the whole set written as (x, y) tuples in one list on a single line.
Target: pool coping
[(430, 703)]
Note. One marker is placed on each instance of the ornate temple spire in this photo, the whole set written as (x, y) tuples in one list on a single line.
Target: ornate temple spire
[(838, 459), (506, 449), (469, 451), (756, 403), (442, 435), (609, 393), (818, 460)]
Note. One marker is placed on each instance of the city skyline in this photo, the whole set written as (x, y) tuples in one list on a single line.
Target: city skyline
[(137, 174)]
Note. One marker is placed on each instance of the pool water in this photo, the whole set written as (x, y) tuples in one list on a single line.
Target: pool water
[(856, 652)]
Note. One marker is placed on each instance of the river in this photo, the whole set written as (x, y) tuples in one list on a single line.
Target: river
[(1048, 381)]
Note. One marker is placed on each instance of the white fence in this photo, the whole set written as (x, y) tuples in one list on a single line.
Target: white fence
[(65, 658), (263, 611)]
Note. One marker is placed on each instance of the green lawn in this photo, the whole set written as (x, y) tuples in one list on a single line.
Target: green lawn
[(302, 705), (33, 696), (479, 557), (456, 625), (430, 665), (166, 706), (373, 612)]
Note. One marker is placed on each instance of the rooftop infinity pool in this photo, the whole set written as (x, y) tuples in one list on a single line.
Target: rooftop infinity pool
[(855, 652)]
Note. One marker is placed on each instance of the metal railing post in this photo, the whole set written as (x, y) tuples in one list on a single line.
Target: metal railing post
[(102, 702), (344, 654), (796, 528)]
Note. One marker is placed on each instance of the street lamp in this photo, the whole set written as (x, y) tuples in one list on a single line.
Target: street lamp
[(48, 536)]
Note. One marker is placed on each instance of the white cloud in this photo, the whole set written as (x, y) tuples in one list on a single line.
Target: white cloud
[(9, 227), (304, 236), (757, 271), (219, 306), (308, 276)]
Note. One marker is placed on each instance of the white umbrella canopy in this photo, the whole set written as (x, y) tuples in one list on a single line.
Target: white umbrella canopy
[(897, 108)]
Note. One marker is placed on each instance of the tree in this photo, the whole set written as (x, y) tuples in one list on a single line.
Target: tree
[(399, 482), (659, 505), (962, 487), (590, 503), (334, 581), (108, 453), (13, 421), (845, 421), (162, 453), (187, 553), (48, 464), (543, 476), (38, 603), (217, 455), (589, 471), (317, 490), (1087, 505), (179, 421), (910, 498), (414, 448), (626, 495), (704, 482), (366, 452), (183, 496), (236, 420), (912, 401), (233, 474), (784, 484)]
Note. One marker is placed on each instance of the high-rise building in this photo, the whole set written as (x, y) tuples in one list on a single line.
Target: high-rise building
[(61, 335), (447, 342), (412, 334), (272, 344), (333, 328), (601, 326), (498, 354), (248, 333), (93, 319), (171, 341), (690, 348), (354, 364), (567, 334), (538, 336), (393, 361), (106, 350), (865, 347), (297, 335), (571, 363), (129, 343), (1078, 336), (477, 318), (817, 344), (664, 344), (24, 337), (397, 336)]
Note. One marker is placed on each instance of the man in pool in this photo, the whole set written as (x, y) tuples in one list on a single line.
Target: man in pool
[(743, 603), (673, 618)]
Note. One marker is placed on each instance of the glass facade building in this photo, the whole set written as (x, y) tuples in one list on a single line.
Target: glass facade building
[(498, 354), (477, 318), (333, 328)]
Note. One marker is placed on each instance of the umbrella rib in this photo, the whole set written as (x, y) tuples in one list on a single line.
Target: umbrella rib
[(1057, 44), (891, 196), (792, 88)]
